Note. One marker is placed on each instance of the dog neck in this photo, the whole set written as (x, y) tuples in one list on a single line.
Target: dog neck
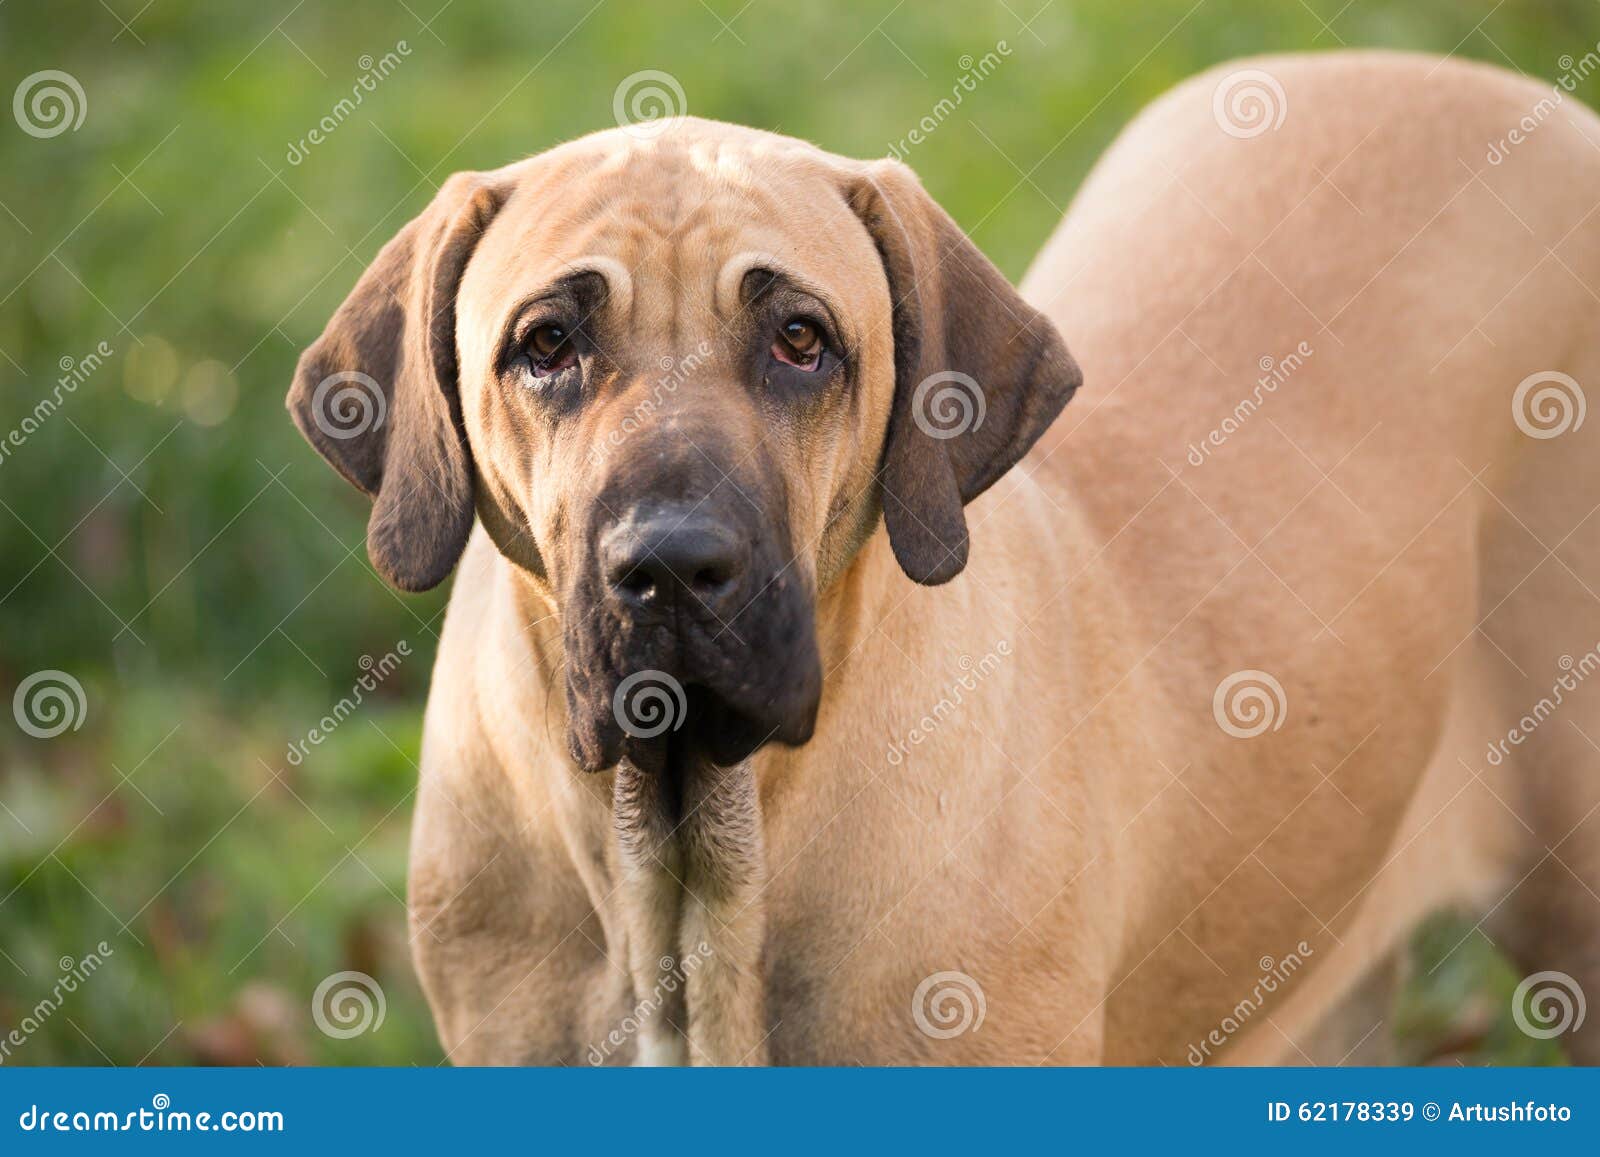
[(691, 871), (686, 857)]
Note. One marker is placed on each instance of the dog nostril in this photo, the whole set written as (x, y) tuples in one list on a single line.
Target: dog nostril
[(712, 578), (638, 584)]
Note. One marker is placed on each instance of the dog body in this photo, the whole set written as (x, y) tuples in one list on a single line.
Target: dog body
[(1199, 734)]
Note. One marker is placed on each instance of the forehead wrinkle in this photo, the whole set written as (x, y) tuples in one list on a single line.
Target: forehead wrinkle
[(740, 264), (619, 282)]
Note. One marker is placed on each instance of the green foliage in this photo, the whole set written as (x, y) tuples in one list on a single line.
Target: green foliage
[(167, 538)]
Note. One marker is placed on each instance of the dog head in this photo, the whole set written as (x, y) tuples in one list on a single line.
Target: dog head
[(680, 378)]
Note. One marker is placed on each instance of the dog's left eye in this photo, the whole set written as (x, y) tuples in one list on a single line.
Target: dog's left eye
[(549, 350), (799, 344)]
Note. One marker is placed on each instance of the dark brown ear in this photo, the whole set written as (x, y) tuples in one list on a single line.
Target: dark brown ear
[(376, 394), (979, 373)]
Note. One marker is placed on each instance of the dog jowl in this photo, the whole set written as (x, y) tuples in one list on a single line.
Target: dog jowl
[(688, 617)]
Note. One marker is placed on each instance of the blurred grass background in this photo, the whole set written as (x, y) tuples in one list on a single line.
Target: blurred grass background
[(167, 540)]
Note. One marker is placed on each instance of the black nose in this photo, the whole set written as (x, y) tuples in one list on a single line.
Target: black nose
[(671, 554)]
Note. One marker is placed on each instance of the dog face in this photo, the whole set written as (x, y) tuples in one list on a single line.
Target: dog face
[(680, 378)]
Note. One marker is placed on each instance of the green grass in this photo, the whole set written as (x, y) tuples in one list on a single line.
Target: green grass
[(168, 540)]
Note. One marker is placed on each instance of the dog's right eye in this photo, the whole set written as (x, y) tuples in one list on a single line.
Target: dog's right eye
[(799, 343), (549, 350), (547, 339)]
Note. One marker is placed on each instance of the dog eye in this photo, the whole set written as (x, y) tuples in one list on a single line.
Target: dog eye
[(549, 350), (799, 344)]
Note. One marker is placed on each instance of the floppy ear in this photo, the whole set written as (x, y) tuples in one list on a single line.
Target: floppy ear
[(979, 373), (376, 394)]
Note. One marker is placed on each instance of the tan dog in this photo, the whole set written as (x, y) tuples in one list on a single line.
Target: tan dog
[(719, 767)]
